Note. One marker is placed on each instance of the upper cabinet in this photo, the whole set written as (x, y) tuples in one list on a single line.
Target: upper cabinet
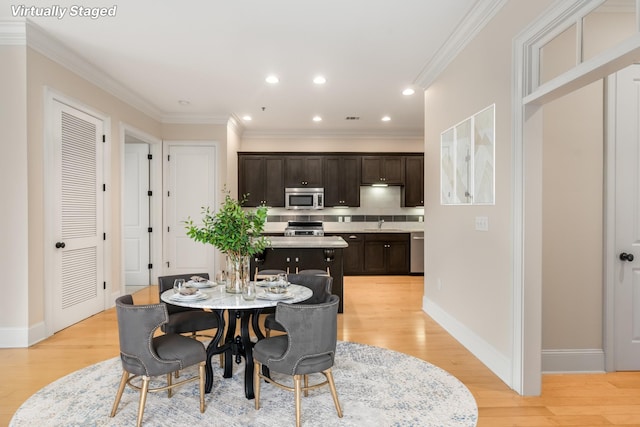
[(382, 170), (262, 178), (413, 192), (303, 171), (342, 181)]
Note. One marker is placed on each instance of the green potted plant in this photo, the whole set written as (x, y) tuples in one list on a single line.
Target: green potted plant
[(236, 232)]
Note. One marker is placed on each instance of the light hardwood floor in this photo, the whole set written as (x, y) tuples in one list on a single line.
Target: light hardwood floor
[(384, 311)]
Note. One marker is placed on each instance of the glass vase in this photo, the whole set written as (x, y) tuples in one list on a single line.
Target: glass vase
[(238, 271)]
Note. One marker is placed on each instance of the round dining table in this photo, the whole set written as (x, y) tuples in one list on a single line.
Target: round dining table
[(217, 300)]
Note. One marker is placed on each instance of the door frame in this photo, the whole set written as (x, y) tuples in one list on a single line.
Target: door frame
[(51, 96), (155, 205), (528, 101)]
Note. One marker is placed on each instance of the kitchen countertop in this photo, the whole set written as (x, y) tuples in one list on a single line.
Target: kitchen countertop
[(307, 242)]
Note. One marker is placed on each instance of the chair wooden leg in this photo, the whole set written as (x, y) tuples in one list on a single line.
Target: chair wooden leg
[(306, 386), (123, 383), (329, 374), (201, 382), (143, 399), (297, 379), (256, 383), (169, 382)]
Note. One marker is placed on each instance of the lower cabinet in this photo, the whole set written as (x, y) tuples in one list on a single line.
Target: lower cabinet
[(353, 255), (376, 253), (386, 253)]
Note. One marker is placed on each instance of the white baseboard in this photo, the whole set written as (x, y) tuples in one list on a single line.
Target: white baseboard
[(497, 362), (572, 361), (22, 337)]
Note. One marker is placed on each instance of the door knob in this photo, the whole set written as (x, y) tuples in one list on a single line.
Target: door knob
[(60, 245), (626, 257)]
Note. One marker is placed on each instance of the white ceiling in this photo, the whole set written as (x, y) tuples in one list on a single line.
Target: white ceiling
[(216, 55)]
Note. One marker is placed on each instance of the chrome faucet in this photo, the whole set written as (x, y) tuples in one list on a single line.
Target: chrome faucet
[(380, 222)]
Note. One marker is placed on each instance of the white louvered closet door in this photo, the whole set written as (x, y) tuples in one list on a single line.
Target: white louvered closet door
[(77, 216)]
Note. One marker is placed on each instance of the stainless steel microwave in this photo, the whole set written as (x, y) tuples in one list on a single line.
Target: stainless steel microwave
[(304, 198)]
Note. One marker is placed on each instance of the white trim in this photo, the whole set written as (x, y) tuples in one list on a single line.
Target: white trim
[(22, 337), (573, 361), (609, 253), (13, 32), (337, 134), (181, 118), (473, 22), (155, 206), (497, 362)]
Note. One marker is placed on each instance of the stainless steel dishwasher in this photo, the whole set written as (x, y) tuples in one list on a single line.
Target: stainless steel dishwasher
[(417, 253)]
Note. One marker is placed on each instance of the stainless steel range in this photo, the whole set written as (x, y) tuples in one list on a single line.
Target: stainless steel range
[(304, 228)]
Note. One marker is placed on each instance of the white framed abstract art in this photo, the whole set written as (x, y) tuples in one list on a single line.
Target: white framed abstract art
[(467, 157)]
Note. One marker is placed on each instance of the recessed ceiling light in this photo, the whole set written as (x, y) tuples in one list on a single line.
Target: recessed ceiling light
[(320, 80), (408, 91), (272, 79), (386, 118), (317, 118), (183, 102), (247, 118)]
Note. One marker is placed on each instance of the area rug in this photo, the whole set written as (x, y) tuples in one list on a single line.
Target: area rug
[(376, 387)]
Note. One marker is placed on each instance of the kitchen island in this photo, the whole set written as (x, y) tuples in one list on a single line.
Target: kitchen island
[(297, 253)]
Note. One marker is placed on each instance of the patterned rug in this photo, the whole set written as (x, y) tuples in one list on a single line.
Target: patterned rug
[(376, 387)]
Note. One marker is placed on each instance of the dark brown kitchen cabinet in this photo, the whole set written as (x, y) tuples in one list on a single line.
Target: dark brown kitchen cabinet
[(342, 181), (353, 255), (386, 253), (262, 178), (382, 170), (413, 192), (303, 171)]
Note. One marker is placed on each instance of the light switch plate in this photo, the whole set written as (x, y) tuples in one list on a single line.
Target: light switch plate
[(482, 223)]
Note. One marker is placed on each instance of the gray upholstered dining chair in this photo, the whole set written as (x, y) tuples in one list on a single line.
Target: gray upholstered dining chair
[(308, 347), (320, 285), (183, 320), (146, 356)]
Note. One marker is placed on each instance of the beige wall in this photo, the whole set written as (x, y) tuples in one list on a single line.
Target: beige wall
[(14, 209), (572, 212), (468, 272), (337, 144), (43, 73)]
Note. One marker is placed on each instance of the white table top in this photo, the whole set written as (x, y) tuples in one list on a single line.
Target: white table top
[(219, 299)]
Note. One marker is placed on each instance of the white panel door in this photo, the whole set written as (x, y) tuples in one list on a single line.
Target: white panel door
[(76, 210), (136, 214), (627, 220), (190, 177)]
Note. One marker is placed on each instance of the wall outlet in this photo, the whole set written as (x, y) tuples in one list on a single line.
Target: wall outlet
[(420, 218), (347, 219), (339, 219), (482, 223)]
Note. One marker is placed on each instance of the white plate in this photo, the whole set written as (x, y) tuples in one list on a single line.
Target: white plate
[(202, 285), (274, 297), (195, 297)]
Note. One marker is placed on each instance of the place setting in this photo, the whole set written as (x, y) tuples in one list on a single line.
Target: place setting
[(274, 288), (187, 291)]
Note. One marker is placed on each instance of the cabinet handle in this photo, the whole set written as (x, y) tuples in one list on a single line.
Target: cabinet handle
[(353, 237)]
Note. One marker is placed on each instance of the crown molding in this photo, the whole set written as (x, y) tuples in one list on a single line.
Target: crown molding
[(13, 32), (236, 124), (473, 22), (43, 43), (333, 134)]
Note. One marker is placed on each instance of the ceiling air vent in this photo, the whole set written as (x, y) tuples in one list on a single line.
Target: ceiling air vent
[(352, 118)]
